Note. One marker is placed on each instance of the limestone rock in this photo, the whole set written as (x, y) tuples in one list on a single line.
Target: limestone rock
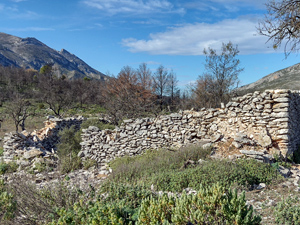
[(32, 153), (265, 141)]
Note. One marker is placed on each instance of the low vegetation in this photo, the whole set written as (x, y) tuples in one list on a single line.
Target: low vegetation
[(175, 170), (148, 189), (121, 204)]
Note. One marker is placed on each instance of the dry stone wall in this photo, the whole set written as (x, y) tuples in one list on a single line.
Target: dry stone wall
[(37, 143), (266, 121), (258, 124)]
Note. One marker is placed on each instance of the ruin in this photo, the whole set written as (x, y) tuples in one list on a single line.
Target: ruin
[(266, 121)]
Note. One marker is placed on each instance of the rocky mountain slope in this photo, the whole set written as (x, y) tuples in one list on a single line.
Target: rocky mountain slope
[(288, 78), (30, 53)]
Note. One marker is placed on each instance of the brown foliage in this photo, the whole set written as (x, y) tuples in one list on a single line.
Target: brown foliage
[(129, 94)]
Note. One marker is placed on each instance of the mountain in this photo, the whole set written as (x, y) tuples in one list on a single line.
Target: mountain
[(31, 53), (288, 78)]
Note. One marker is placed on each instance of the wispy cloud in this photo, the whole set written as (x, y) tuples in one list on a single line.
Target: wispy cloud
[(134, 6), (227, 5), (25, 29), (254, 3), (18, 0), (28, 15), (13, 12), (191, 39)]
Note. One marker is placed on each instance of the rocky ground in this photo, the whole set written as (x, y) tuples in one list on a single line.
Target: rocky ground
[(263, 197)]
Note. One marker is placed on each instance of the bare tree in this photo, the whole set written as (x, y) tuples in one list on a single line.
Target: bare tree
[(161, 81), (81, 90), (19, 109), (56, 93), (172, 89), (282, 24), (144, 76), (220, 77)]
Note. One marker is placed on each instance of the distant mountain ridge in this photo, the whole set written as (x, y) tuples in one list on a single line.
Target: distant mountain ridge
[(288, 78), (31, 53)]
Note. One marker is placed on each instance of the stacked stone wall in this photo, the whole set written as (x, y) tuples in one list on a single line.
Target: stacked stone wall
[(268, 120), (40, 142)]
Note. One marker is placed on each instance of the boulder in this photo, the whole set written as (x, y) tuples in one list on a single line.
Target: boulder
[(34, 152)]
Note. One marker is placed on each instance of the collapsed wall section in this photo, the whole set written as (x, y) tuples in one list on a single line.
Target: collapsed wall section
[(39, 142), (261, 118)]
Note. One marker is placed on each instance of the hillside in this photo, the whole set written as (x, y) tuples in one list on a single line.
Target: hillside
[(30, 53), (288, 78)]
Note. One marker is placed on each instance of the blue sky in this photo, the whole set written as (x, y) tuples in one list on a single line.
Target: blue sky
[(110, 34)]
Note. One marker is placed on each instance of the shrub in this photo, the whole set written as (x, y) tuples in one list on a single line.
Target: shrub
[(287, 211), (244, 173), (119, 206), (88, 163), (153, 162), (8, 167), (21, 202), (68, 149), (164, 169), (3, 167), (209, 206), (7, 203), (123, 204)]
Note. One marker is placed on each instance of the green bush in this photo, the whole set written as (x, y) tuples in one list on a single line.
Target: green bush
[(287, 211), (8, 167), (244, 173), (40, 106), (68, 149), (166, 171), (125, 204), (119, 206), (209, 206), (88, 163), (153, 162), (7, 203), (3, 168)]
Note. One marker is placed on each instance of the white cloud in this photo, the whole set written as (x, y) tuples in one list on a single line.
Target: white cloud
[(191, 39), (134, 6)]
